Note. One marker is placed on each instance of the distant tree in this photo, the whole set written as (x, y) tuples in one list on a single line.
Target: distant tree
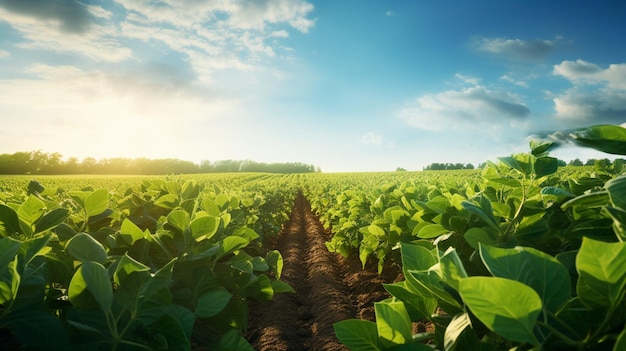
[(576, 162), (400, 169), (561, 163)]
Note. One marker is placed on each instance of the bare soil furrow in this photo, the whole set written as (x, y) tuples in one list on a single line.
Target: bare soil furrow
[(328, 289)]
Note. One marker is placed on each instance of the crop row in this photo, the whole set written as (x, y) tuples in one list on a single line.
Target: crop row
[(139, 264), (519, 255)]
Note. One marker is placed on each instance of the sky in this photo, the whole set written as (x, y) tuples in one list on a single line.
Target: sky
[(346, 85)]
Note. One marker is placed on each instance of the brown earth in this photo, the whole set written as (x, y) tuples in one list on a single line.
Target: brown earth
[(328, 289)]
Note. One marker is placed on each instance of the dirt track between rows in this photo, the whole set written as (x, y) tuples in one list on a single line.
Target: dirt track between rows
[(328, 289)]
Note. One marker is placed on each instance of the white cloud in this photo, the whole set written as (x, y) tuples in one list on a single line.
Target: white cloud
[(581, 71), (372, 138), (390, 13), (515, 49), (602, 106), (99, 43), (467, 79), (598, 95), (471, 108), (512, 80), (4, 53)]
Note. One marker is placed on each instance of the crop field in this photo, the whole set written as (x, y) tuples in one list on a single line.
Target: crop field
[(519, 255)]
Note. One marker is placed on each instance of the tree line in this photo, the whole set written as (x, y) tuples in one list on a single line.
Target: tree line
[(602, 164), (37, 162)]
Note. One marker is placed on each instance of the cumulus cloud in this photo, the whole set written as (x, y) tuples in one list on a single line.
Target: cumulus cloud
[(515, 49), (471, 108), (72, 16), (598, 95), (584, 72)]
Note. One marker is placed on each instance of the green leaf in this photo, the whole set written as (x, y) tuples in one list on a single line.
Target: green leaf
[(542, 272), (168, 201), (416, 257), (9, 276), (507, 307), (619, 221), (541, 148), (38, 329), (130, 232), (457, 325), (51, 219), (545, 166), (280, 286), (432, 231), (620, 343), (358, 335), (485, 211), (173, 332), (84, 248), (393, 323), (9, 223), (97, 202), (602, 273), (233, 340), (31, 210), (231, 244), (617, 191), (178, 219), (212, 303), (418, 306), (275, 261), (204, 227), (125, 267), (520, 162), (90, 283), (605, 138), (452, 268), (476, 236)]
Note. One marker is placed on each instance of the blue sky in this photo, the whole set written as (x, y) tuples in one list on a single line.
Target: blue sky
[(345, 85)]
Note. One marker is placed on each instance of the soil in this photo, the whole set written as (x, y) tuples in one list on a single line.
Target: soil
[(328, 289)]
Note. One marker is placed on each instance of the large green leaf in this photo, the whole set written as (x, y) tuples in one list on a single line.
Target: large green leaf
[(131, 233), (9, 276), (606, 138), (178, 219), (38, 329), (91, 283), (358, 335), (171, 329), (31, 210), (432, 231), (455, 328), (212, 303), (84, 248), (204, 227), (507, 307), (545, 166), (9, 223), (602, 273), (617, 191), (416, 257), (452, 268), (393, 323), (51, 219), (97, 202), (418, 306), (125, 267), (542, 272)]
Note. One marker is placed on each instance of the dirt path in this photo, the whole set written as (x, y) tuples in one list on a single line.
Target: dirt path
[(328, 289)]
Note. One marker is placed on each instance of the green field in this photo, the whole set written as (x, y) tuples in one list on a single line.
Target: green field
[(518, 255)]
